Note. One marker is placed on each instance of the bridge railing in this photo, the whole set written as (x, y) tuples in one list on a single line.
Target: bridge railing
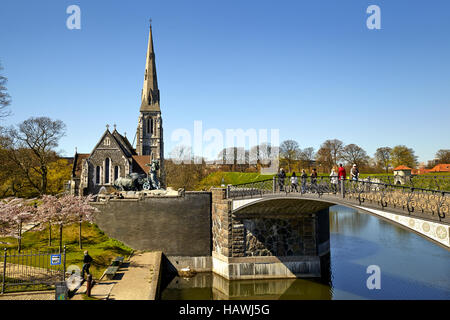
[(432, 182), (434, 204)]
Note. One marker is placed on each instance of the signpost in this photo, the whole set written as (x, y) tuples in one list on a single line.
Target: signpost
[(55, 259)]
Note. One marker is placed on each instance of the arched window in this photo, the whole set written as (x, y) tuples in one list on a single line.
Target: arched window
[(97, 175), (149, 125), (107, 165), (116, 173)]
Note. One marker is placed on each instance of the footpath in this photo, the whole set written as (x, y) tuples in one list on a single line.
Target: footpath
[(136, 279)]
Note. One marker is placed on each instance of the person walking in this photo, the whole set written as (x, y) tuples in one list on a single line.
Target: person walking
[(342, 175), (314, 180), (304, 177), (333, 180), (354, 173), (87, 259), (281, 177), (294, 181)]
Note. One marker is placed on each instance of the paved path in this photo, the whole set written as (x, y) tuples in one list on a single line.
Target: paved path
[(38, 295), (138, 281)]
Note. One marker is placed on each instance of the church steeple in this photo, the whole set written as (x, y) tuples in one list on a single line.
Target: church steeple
[(149, 134), (150, 91)]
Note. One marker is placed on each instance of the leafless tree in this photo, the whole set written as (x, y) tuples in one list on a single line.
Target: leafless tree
[(32, 147), (383, 157), (5, 99), (354, 154), (443, 156), (307, 156), (289, 152)]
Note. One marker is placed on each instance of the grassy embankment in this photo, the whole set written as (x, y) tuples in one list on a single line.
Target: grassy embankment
[(101, 248)]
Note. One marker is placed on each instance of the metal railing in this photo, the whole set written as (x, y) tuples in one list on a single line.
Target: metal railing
[(421, 202), (31, 271)]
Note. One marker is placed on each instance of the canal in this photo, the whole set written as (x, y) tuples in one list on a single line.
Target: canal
[(411, 268)]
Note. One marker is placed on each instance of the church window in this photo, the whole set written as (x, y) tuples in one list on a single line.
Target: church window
[(107, 142), (149, 126), (116, 173), (97, 175), (107, 164)]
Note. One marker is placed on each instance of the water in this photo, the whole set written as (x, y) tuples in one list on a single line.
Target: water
[(411, 268)]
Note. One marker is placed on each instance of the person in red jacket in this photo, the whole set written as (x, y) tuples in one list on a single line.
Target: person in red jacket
[(341, 172)]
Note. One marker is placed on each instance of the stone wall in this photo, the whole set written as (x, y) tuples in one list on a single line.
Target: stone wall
[(280, 237), (221, 223), (178, 226)]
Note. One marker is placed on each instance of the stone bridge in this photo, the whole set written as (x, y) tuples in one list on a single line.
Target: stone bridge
[(267, 230)]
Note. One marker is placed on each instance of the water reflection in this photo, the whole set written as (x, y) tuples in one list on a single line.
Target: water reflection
[(411, 267)]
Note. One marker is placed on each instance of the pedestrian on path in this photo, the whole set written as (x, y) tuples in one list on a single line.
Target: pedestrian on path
[(333, 180), (281, 177), (294, 182), (354, 173), (304, 177), (314, 181)]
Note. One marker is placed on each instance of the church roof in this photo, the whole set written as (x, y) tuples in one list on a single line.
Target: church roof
[(77, 164), (124, 143), (139, 163)]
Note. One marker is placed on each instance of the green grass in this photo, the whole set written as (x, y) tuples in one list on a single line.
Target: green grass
[(101, 248), (215, 179)]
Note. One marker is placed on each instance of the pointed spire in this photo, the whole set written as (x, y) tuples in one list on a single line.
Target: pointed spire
[(150, 91)]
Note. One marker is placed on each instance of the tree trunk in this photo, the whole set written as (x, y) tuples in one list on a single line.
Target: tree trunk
[(44, 179), (49, 234), (19, 239), (81, 245)]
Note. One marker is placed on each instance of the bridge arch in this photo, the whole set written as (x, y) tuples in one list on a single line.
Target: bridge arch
[(291, 205)]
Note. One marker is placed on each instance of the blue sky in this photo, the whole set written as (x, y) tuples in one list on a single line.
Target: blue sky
[(311, 69)]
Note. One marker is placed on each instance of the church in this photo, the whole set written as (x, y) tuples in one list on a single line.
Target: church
[(114, 155)]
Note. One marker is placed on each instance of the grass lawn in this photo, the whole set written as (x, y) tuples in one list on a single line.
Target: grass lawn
[(101, 248), (215, 179)]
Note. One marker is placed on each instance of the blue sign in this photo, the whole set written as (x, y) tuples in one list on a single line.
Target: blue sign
[(55, 259)]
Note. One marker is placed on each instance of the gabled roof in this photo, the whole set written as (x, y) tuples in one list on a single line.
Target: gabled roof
[(443, 167), (120, 143), (124, 143), (402, 167), (78, 163)]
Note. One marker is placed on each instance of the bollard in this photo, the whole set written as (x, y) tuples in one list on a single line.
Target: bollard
[(89, 285)]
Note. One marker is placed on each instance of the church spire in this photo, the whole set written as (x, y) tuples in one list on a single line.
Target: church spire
[(150, 91)]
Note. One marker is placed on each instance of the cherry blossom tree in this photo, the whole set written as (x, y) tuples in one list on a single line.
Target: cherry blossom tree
[(65, 210), (14, 214)]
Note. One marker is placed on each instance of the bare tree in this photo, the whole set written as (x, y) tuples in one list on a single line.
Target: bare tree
[(32, 147), (5, 99), (383, 157), (354, 154), (336, 148), (264, 153), (307, 156), (330, 153), (289, 152), (443, 156)]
